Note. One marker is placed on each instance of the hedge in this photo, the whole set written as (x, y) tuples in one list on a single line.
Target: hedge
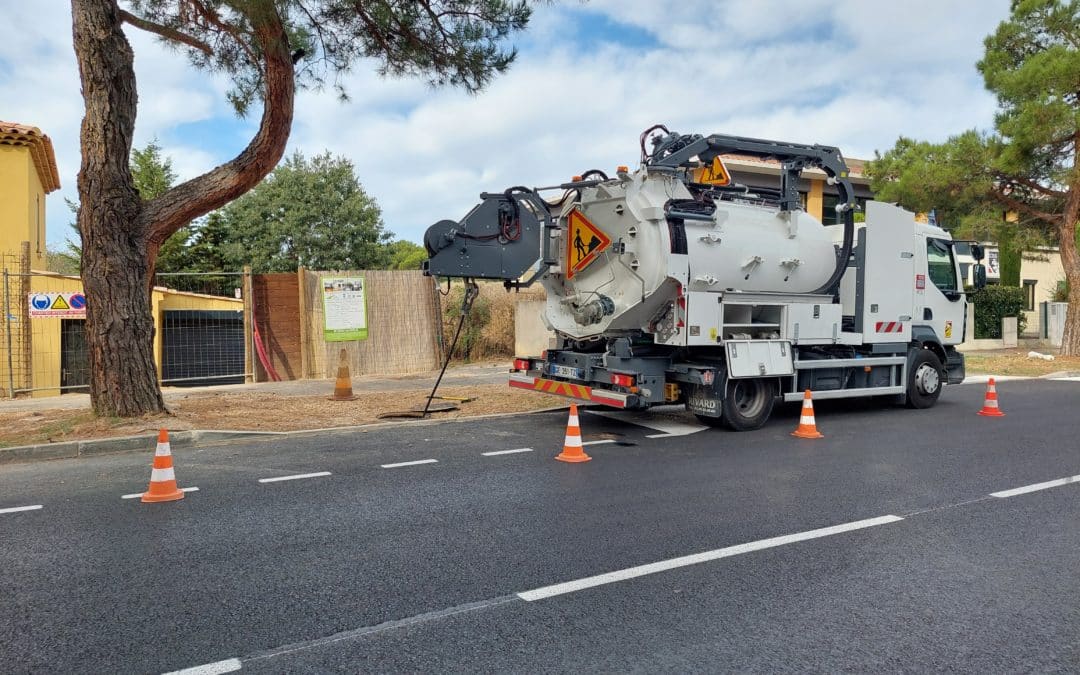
[(994, 303)]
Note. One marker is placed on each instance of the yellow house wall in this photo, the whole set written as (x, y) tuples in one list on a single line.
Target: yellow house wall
[(45, 333), (16, 168), (164, 300), (45, 336), (815, 199)]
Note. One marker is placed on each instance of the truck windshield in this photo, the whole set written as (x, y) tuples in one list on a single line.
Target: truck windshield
[(940, 264)]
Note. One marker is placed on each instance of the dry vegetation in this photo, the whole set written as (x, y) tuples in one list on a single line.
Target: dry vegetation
[(1017, 362), (489, 330), (262, 412)]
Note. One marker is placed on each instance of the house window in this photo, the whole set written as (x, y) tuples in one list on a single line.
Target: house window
[(1029, 295), (828, 210)]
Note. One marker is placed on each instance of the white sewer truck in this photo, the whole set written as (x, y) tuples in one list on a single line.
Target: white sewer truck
[(669, 284)]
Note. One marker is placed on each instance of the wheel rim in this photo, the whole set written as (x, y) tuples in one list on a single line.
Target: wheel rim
[(927, 379), (748, 397)]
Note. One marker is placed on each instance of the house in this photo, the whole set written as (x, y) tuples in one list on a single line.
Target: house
[(42, 328)]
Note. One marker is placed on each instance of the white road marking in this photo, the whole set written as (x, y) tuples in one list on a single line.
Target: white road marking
[(506, 452), (983, 379), (1036, 487), (140, 494), (295, 477), (606, 440), (665, 565), (419, 461), (651, 421), (215, 668), (17, 509)]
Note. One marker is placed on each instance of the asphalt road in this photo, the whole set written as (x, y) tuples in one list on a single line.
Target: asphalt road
[(877, 548)]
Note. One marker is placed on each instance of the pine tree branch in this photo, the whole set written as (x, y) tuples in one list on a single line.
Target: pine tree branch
[(1019, 206), (181, 204), (165, 32), (1028, 183)]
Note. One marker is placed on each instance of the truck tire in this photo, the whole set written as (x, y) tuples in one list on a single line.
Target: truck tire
[(748, 403), (925, 379)]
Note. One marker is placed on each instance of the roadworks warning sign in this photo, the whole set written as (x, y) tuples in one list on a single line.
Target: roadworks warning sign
[(584, 243), (57, 305)]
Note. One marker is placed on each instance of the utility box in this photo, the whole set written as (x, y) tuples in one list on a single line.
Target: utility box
[(1055, 322), (1008, 331)]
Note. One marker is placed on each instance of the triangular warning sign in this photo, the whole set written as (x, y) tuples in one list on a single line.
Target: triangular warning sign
[(584, 243), (715, 174), (59, 303)]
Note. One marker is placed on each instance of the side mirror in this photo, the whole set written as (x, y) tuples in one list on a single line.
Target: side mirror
[(978, 271), (977, 254)]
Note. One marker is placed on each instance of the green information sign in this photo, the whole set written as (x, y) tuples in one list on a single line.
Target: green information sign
[(344, 309)]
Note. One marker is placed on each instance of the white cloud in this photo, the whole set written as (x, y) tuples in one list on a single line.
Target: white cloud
[(851, 74)]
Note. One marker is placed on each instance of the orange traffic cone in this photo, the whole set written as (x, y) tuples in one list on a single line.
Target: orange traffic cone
[(990, 404), (343, 385), (807, 425), (572, 448), (162, 479)]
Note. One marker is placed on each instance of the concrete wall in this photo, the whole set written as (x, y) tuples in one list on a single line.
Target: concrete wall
[(531, 336)]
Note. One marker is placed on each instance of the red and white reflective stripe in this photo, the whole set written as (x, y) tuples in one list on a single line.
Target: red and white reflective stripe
[(889, 327)]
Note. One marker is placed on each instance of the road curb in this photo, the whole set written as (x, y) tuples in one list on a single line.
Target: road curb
[(199, 438)]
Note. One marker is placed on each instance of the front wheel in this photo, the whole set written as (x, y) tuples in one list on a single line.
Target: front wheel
[(924, 380), (748, 403)]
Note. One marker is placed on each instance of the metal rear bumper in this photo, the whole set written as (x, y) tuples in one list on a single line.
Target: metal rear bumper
[(581, 392)]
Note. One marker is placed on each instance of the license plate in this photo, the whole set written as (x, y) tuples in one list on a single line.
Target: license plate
[(566, 371)]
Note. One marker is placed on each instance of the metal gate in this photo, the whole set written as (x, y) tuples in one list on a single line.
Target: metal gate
[(74, 356), (202, 347)]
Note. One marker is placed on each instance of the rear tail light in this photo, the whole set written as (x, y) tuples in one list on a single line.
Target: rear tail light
[(622, 380), (521, 364)]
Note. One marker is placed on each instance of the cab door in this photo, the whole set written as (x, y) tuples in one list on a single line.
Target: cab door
[(938, 288)]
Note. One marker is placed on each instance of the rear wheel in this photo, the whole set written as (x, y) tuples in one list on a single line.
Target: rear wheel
[(925, 379), (748, 403)]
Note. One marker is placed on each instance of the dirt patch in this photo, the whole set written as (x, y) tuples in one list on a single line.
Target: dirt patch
[(1017, 362), (258, 411)]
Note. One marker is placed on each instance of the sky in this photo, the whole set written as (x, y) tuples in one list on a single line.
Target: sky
[(589, 77)]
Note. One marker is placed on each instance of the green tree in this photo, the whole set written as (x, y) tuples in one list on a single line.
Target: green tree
[(153, 175), (1030, 164), (405, 255), (267, 48), (307, 213)]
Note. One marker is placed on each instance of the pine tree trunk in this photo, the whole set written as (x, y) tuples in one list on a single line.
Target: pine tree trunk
[(115, 260), (1070, 262)]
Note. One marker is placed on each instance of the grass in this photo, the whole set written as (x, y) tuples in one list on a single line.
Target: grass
[(1017, 362)]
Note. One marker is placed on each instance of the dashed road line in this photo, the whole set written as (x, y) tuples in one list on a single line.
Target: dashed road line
[(1035, 487), (506, 452), (606, 440), (298, 476), (673, 563), (136, 495), (215, 668), (413, 463), (18, 509)]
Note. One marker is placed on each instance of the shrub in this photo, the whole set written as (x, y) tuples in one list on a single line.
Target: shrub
[(488, 332), (992, 304)]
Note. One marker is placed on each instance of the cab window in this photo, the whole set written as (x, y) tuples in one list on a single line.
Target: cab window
[(940, 264)]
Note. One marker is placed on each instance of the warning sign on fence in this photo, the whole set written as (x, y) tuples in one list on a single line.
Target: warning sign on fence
[(57, 305)]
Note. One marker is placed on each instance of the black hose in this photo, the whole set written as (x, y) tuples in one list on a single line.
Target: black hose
[(471, 291)]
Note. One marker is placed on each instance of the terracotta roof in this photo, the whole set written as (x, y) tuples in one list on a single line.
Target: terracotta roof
[(855, 166), (41, 151)]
